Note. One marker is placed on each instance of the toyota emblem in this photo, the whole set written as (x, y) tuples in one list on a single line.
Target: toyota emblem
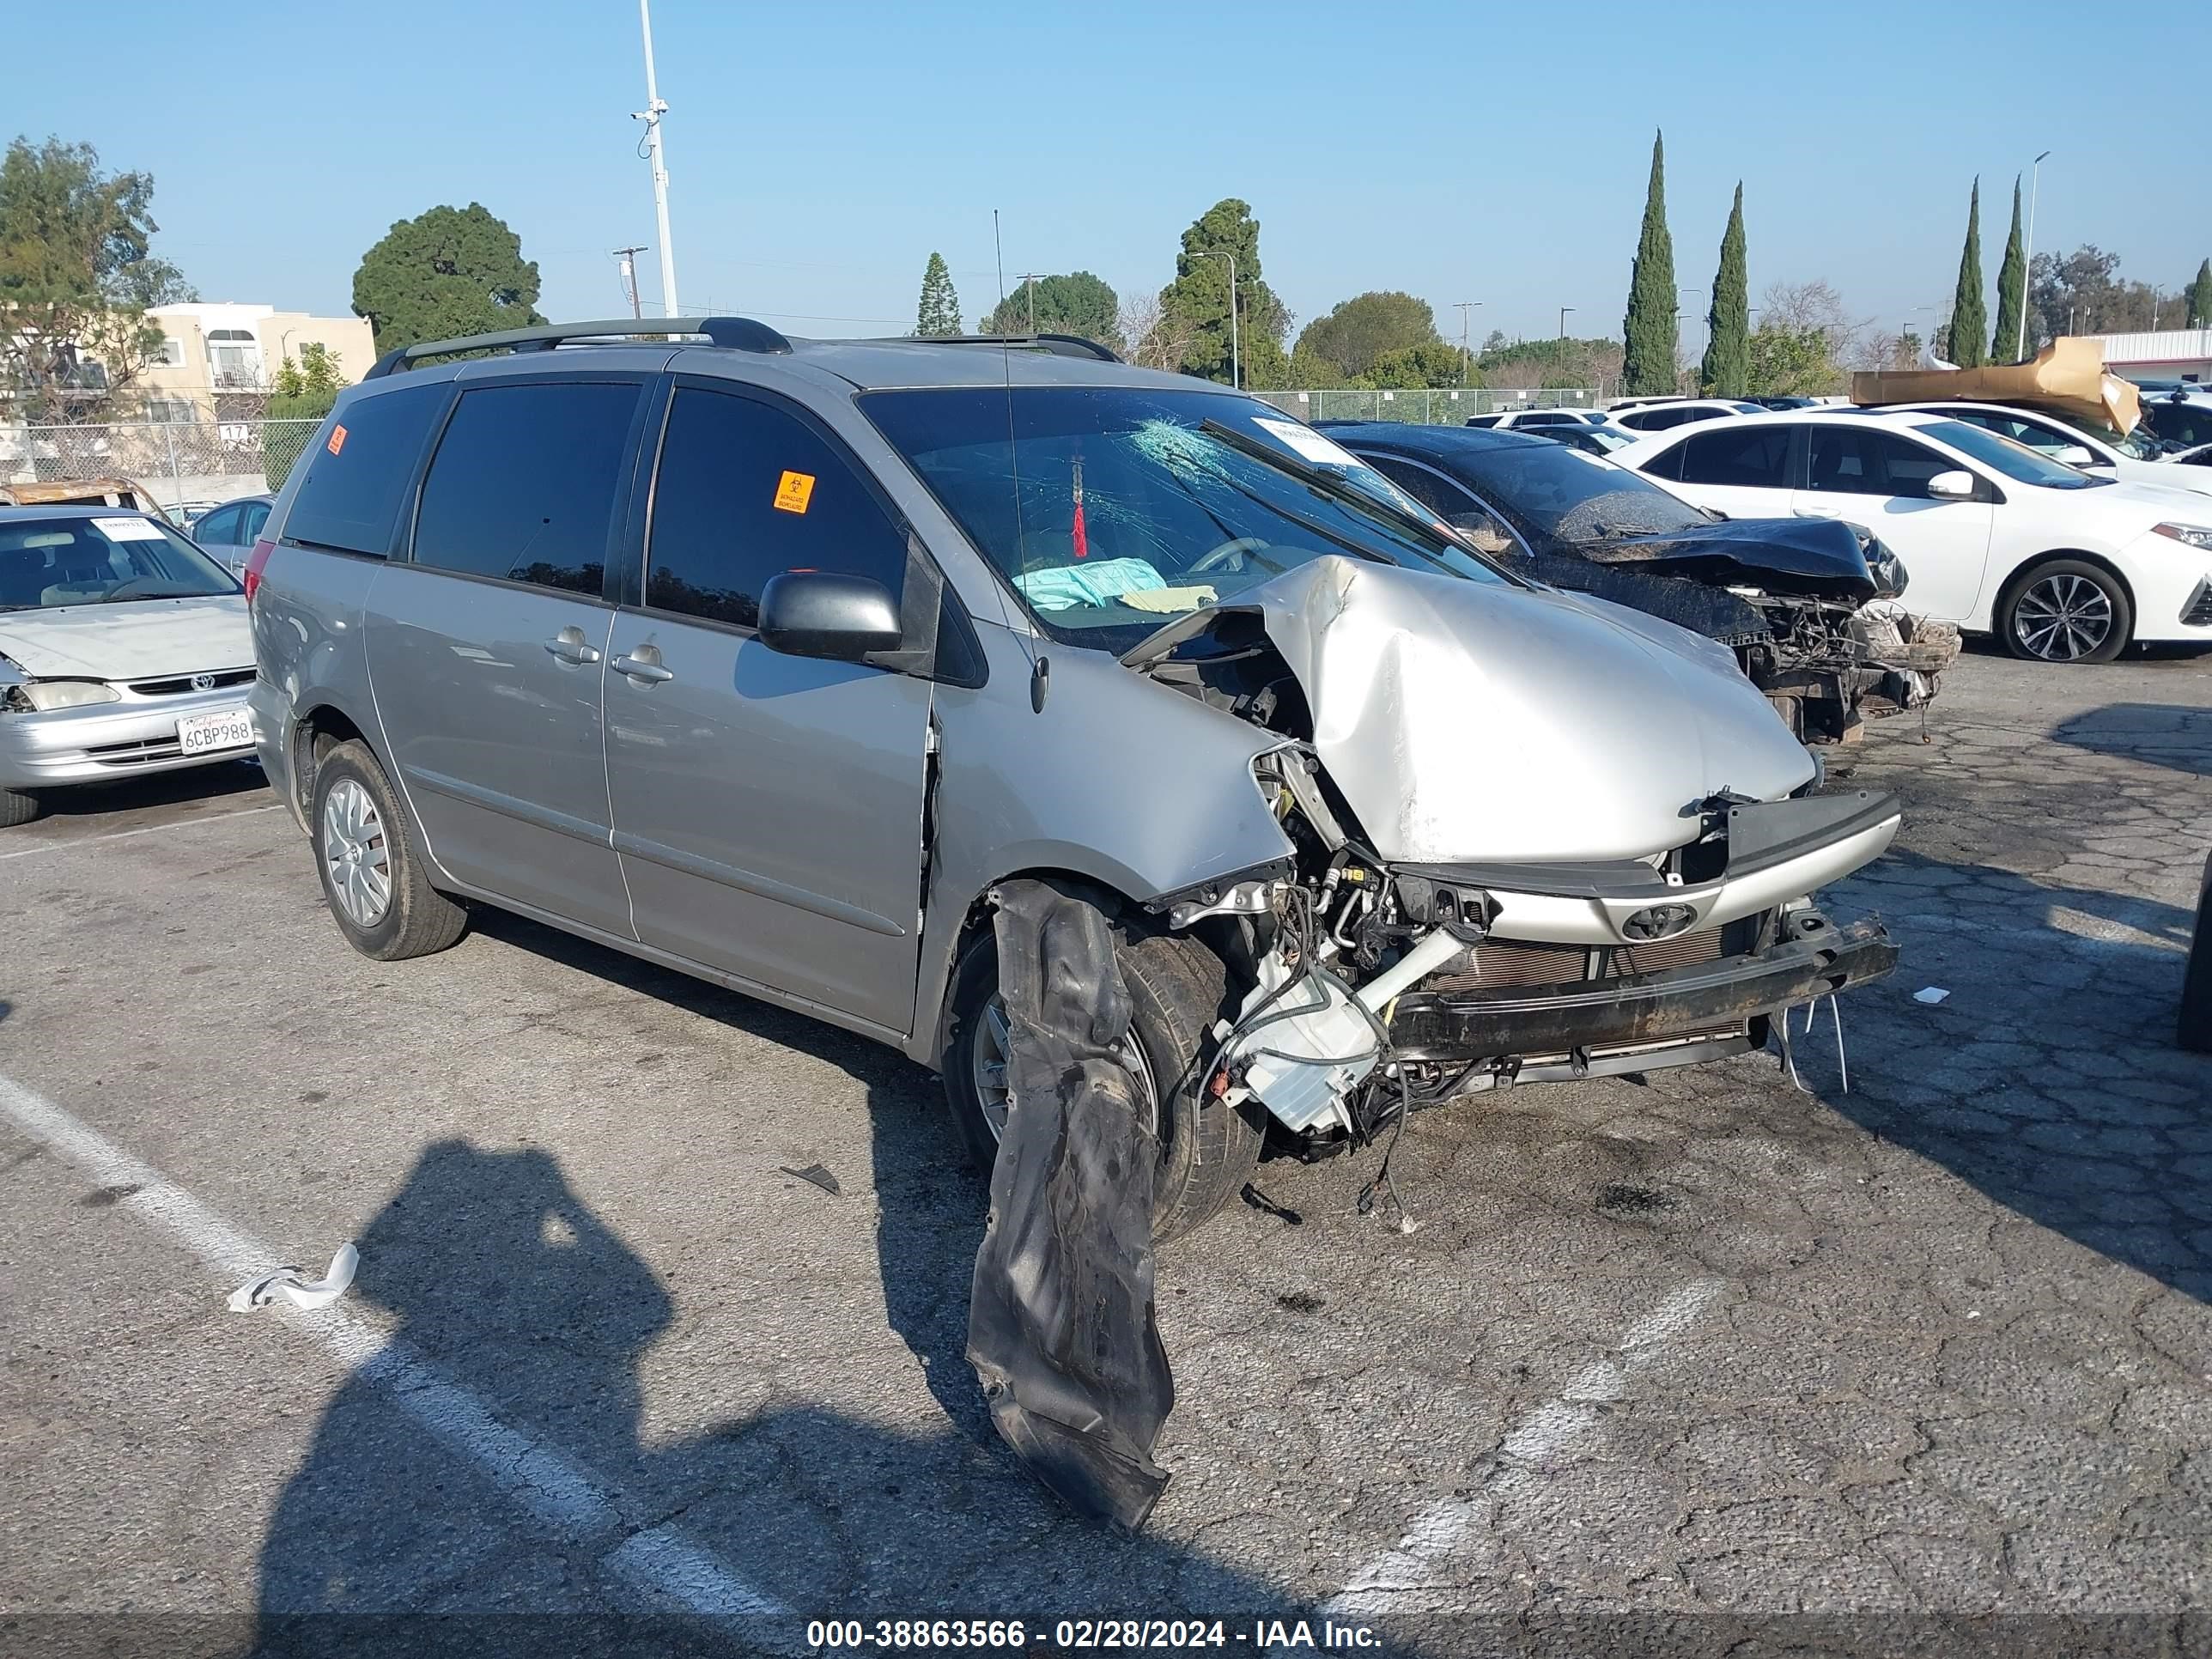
[(202, 682)]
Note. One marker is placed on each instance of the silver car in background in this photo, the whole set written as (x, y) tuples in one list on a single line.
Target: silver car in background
[(227, 533), (123, 651), (769, 659)]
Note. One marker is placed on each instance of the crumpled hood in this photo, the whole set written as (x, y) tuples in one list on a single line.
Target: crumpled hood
[(1468, 721), (1810, 555), (137, 640)]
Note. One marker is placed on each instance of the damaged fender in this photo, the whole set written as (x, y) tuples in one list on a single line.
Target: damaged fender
[(1062, 1326)]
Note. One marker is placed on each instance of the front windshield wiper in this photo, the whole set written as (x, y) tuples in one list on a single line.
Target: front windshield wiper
[(1330, 483)]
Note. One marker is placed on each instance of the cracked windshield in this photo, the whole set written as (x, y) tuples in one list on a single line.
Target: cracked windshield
[(1115, 510)]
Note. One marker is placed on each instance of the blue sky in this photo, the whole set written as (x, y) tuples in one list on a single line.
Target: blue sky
[(819, 152)]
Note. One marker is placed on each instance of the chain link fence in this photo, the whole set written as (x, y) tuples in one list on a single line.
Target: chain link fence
[(1437, 407), (187, 466), (191, 465)]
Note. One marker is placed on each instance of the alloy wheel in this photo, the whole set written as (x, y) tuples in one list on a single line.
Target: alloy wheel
[(2062, 619), (356, 853)]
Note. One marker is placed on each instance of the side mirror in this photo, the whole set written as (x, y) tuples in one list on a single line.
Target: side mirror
[(816, 613), (2074, 455), (1956, 485)]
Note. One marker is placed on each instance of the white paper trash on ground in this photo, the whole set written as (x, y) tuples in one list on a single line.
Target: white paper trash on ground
[(285, 1282)]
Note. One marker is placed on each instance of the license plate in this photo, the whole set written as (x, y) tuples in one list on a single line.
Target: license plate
[(203, 734)]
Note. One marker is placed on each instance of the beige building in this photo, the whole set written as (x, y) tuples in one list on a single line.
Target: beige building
[(211, 349)]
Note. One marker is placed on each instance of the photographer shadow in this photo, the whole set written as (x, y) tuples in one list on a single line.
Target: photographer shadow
[(529, 1315)]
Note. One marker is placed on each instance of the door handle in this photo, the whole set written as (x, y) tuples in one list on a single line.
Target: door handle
[(570, 647), (642, 670)]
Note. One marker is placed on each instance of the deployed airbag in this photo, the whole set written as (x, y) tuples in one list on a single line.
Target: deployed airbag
[(1061, 1328)]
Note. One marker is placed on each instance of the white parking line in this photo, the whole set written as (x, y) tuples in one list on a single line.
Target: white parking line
[(671, 1571), (125, 835), (1419, 1572)]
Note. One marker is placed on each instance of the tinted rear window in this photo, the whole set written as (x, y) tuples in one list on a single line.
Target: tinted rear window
[(524, 485), (358, 469)]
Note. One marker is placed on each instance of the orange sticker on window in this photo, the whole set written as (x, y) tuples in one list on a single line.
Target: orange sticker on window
[(337, 439), (794, 491)]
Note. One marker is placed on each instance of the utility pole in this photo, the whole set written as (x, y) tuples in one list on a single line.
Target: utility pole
[(628, 256), (1465, 308), (1029, 286), (650, 114), (2027, 270)]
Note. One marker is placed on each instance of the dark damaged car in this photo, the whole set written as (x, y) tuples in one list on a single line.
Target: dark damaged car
[(1808, 605)]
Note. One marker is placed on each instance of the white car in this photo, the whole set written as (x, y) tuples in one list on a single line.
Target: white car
[(2062, 567), (124, 650), (2064, 443), (1523, 420), (1680, 412)]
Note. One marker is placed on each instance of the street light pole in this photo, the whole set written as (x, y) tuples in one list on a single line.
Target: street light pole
[(2034, 188), (650, 114), (1465, 308), (1559, 352), (1236, 356), (1028, 287)]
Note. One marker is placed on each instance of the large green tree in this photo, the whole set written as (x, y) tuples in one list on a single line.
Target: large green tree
[(2200, 297), (2005, 340), (77, 274), (2083, 293), (1195, 306), (1362, 329), (1970, 318), (451, 271), (938, 317), (1728, 322), (1650, 330), (1076, 303), (1424, 363)]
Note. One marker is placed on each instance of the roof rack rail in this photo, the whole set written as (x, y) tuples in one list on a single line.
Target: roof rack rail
[(1061, 345), (732, 333)]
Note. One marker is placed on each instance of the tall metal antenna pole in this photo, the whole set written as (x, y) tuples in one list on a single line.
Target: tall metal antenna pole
[(628, 256), (650, 114), (1000, 252)]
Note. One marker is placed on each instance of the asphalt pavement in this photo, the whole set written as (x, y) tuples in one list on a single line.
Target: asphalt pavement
[(1717, 1357)]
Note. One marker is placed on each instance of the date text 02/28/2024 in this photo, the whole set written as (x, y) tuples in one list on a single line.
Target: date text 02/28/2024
[(1264, 1635)]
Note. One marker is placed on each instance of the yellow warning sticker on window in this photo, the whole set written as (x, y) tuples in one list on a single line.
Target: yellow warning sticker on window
[(336, 440), (794, 491)]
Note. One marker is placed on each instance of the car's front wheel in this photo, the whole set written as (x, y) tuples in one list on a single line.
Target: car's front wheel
[(16, 807), (373, 876), (2067, 611), (1177, 990)]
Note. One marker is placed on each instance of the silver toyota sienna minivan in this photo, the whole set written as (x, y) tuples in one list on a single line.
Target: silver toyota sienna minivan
[(770, 658)]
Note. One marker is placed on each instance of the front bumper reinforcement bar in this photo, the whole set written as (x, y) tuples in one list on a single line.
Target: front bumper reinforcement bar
[(1680, 1002)]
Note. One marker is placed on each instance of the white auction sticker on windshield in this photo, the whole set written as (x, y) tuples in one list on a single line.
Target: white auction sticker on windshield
[(128, 530), (1308, 442)]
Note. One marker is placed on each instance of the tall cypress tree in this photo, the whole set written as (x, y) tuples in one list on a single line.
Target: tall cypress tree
[(2005, 340), (938, 314), (1726, 372), (1969, 319), (2200, 297), (1648, 369)]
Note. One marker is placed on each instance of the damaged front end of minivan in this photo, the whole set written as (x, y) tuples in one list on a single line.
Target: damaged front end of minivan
[(1531, 843)]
